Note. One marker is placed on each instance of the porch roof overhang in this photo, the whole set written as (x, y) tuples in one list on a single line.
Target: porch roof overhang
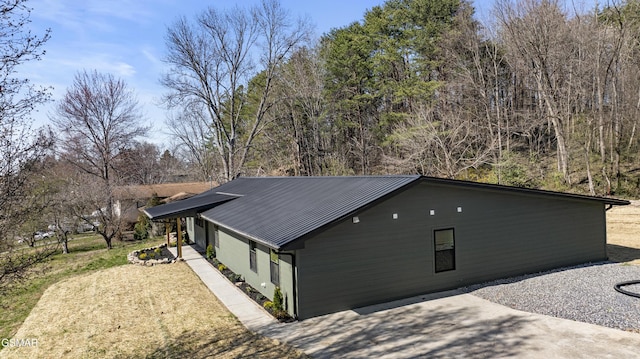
[(189, 207)]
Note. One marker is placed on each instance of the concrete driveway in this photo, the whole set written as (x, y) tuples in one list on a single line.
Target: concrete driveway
[(442, 325), (451, 325)]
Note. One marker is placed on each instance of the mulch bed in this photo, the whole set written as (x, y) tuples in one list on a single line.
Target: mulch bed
[(250, 291)]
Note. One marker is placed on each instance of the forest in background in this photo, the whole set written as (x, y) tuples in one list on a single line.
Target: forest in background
[(541, 97)]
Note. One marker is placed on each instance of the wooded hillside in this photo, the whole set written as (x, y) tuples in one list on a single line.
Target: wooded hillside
[(545, 96)]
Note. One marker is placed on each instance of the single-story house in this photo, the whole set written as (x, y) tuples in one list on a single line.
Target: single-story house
[(336, 243)]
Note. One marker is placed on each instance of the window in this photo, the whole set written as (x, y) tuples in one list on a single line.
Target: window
[(253, 262), (445, 254), (216, 239), (274, 268)]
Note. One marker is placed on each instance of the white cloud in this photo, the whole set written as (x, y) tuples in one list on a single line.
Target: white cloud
[(93, 14), (121, 69), (154, 60)]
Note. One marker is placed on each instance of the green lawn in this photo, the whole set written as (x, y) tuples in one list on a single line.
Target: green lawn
[(88, 253), (102, 308)]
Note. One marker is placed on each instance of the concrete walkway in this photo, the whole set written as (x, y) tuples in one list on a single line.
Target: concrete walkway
[(250, 314), (441, 325)]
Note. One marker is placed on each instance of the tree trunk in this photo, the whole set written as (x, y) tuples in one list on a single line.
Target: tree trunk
[(65, 246)]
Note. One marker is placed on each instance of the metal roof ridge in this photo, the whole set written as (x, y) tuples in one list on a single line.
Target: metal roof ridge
[(357, 176), (495, 186)]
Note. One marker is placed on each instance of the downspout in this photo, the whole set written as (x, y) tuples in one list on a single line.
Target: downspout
[(295, 282), (608, 207)]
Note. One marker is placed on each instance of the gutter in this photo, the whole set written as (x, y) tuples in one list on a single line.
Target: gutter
[(295, 282)]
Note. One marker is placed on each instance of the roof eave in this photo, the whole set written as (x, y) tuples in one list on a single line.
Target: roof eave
[(491, 186), (244, 234), (186, 212)]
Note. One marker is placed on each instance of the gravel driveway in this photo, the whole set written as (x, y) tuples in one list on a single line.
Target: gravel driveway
[(583, 293)]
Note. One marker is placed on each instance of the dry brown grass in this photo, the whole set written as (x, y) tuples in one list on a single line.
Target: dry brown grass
[(623, 233), (133, 311)]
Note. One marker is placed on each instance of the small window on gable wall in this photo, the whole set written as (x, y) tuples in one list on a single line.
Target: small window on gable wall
[(445, 251)]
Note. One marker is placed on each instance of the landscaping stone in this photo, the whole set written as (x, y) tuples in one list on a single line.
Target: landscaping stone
[(167, 257)]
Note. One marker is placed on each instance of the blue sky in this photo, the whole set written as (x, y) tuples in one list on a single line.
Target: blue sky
[(126, 38)]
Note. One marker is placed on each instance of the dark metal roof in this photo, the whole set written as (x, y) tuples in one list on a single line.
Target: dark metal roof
[(187, 207), (537, 192), (278, 210)]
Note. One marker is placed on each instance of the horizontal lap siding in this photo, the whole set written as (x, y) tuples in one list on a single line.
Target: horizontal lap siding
[(497, 234), (234, 253)]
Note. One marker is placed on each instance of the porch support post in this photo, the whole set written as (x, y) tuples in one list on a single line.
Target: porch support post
[(179, 237), (166, 229)]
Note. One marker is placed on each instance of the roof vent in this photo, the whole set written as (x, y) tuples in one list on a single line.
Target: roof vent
[(355, 219)]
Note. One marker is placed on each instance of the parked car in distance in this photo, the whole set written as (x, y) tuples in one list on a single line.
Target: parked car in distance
[(42, 235)]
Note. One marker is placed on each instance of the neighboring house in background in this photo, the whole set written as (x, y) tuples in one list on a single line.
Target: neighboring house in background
[(337, 243), (129, 199)]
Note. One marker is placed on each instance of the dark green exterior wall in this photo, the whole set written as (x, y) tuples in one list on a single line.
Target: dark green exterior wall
[(497, 234)]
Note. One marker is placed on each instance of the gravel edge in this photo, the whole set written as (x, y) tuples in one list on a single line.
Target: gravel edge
[(583, 293)]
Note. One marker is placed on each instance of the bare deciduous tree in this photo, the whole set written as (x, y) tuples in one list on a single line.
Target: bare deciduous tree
[(138, 164), (440, 141), (193, 132), (98, 117), (21, 147), (536, 33), (212, 62), (297, 139)]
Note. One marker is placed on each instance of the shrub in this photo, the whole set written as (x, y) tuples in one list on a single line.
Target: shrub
[(236, 278), (142, 256), (221, 267), (142, 227), (249, 290), (268, 305), (277, 300), (152, 254), (281, 314), (158, 251), (210, 252)]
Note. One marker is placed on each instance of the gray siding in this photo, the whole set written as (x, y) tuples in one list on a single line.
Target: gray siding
[(197, 234), (190, 227), (497, 234), (234, 253), (200, 235)]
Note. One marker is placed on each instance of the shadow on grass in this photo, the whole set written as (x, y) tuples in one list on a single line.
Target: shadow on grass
[(228, 343), (622, 254)]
